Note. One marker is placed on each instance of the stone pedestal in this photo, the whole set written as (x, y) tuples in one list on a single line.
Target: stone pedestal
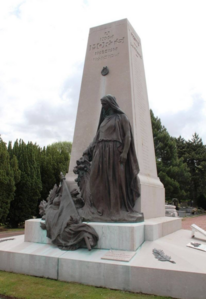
[(34, 233), (142, 274), (117, 236), (170, 211), (117, 46)]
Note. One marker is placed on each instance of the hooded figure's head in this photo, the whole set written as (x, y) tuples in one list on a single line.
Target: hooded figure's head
[(111, 101), (108, 104)]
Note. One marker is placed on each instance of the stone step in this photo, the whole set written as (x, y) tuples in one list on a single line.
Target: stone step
[(118, 236)]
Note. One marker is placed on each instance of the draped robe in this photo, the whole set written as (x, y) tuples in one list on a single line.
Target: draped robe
[(113, 185)]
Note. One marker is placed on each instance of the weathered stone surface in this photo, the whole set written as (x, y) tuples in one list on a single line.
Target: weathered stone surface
[(170, 211), (117, 255), (142, 274), (34, 233), (119, 236)]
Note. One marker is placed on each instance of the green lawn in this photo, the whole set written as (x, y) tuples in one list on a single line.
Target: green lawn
[(28, 287)]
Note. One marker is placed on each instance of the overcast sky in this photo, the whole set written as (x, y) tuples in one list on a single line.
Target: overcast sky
[(41, 69)]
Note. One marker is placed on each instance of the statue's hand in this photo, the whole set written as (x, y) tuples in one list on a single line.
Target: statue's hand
[(123, 158)]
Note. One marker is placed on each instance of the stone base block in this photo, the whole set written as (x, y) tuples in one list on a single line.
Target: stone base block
[(170, 211), (143, 273), (119, 236), (159, 227), (29, 258), (152, 199), (34, 233)]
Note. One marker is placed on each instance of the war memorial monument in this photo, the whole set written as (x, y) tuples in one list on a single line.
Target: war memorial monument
[(105, 224)]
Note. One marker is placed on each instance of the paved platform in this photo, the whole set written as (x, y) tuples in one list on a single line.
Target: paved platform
[(143, 273), (8, 234)]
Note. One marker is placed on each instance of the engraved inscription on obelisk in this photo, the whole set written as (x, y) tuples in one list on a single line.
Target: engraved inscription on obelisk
[(117, 46)]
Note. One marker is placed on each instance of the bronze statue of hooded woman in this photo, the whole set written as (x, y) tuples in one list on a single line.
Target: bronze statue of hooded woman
[(111, 188)]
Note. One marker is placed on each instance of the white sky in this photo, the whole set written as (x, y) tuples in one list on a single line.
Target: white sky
[(42, 51)]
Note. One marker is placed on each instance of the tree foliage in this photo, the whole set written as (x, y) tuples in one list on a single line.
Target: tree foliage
[(27, 174), (54, 159), (172, 171), (7, 180), (29, 187), (62, 146), (193, 153)]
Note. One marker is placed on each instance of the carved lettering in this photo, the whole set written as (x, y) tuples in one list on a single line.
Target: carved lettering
[(103, 45), (119, 40), (106, 51), (136, 51), (106, 37), (107, 40), (135, 44), (107, 46), (144, 134), (135, 40), (105, 57)]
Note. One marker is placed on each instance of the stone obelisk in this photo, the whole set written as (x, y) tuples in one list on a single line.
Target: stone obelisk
[(118, 47)]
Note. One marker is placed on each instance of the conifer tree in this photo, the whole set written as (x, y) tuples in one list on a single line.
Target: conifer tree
[(172, 171), (14, 163), (193, 152), (29, 187), (54, 159), (7, 182)]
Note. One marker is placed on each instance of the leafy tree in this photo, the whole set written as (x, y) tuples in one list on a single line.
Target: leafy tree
[(201, 201), (65, 146), (9, 174), (193, 152), (171, 170), (60, 153)]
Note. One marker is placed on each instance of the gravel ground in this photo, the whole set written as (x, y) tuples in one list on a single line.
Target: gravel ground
[(6, 234), (198, 220)]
